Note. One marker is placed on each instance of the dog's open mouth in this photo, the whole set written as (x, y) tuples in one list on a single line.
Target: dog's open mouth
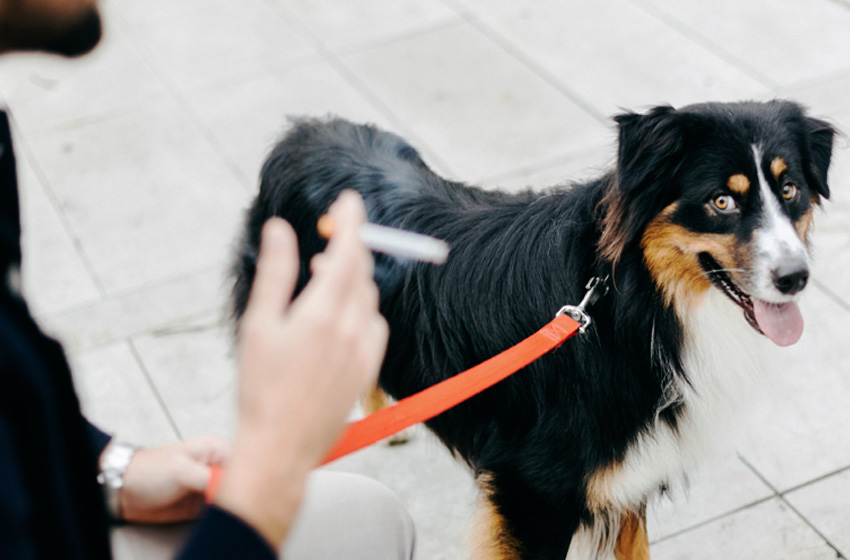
[(780, 322)]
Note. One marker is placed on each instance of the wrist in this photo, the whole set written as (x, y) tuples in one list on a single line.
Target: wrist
[(263, 484), (113, 463)]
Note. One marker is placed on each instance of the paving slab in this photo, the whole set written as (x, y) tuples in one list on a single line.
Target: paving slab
[(54, 271), (196, 44), (343, 26), (798, 427), (195, 373), (191, 302), (265, 105), (818, 504), (787, 42), (769, 530), (480, 123), (718, 488), (612, 66), (117, 396), (146, 194)]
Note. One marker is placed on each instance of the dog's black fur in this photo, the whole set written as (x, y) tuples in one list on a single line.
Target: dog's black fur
[(516, 258)]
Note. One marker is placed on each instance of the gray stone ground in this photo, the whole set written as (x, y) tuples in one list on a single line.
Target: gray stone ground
[(137, 163)]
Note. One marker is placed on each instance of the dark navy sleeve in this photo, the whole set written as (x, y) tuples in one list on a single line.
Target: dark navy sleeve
[(98, 438), (16, 541), (220, 534)]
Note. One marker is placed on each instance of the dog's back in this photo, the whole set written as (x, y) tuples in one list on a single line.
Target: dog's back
[(313, 163), (508, 270)]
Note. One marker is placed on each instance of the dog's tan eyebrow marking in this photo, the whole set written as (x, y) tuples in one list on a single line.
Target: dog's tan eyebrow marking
[(739, 183), (777, 166)]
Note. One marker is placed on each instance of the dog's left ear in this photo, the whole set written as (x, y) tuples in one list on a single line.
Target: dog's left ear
[(820, 135)]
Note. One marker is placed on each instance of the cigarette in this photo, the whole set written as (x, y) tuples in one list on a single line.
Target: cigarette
[(393, 241)]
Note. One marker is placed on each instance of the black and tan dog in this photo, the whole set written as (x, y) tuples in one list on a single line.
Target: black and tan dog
[(702, 227)]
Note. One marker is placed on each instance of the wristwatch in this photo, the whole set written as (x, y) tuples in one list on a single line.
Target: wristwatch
[(113, 464)]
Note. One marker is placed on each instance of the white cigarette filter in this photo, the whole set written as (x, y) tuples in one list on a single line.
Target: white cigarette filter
[(393, 241)]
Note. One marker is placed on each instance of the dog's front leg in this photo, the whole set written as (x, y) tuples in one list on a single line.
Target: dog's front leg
[(515, 523), (491, 538), (633, 542)]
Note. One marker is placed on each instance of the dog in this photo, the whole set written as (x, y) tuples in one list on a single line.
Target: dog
[(702, 231)]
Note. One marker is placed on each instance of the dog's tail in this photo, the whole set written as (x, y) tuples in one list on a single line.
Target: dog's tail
[(306, 171)]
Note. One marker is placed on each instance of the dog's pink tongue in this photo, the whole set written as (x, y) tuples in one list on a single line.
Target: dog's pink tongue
[(780, 322)]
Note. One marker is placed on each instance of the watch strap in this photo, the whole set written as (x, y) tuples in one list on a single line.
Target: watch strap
[(113, 464)]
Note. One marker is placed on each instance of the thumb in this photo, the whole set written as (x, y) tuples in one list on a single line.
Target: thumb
[(277, 269), (195, 476)]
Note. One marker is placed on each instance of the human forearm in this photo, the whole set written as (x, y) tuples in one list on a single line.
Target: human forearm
[(302, 366), (264, 481)]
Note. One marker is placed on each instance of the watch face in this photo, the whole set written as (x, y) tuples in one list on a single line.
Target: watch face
[(114, 463)]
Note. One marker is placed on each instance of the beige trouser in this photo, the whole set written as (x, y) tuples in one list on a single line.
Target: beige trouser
[(344, 516), (350, 517)]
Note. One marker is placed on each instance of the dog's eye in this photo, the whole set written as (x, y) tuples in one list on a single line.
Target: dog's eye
[(724, 203), (789, 192)]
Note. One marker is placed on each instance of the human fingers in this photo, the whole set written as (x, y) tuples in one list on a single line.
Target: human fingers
[(194, 475), (350, 210), (277, 269), (209, 449), (374, 349), (346, 262), (360, 334)]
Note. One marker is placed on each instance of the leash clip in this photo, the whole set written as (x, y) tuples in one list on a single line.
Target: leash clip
[(596, 288)]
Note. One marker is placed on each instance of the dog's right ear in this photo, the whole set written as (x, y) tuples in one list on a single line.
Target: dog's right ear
[(648, 145), (649, 155)]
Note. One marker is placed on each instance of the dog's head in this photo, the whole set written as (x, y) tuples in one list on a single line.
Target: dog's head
[(721, 196)]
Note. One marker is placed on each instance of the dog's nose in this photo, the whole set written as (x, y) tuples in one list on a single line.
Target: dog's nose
[(790, 278)]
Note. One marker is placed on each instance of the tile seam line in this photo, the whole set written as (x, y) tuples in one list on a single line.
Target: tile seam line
[(711, 520), (389, 40), (92, 119), (351, 77), (128, 293), (704, 43), (805, 519), (842, 3), (304, 61), (44, 183), (183, 102), (781, 497), (513, 50), (149, 380), (815, 480), (159, 330), (818, 81), (547, 164)]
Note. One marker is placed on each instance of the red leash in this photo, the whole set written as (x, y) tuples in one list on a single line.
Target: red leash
[(439, 398), (449, 393)]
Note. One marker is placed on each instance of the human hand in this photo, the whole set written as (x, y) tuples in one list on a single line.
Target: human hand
[(166, 484), (303, 364)]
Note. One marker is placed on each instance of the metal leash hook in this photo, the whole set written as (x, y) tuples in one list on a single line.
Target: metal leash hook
[(596, 288)]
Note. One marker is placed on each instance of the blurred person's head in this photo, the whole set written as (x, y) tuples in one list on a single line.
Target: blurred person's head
[(67, 27)]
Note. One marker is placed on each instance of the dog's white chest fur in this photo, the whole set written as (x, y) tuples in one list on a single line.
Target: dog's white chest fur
[(721, 359)]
